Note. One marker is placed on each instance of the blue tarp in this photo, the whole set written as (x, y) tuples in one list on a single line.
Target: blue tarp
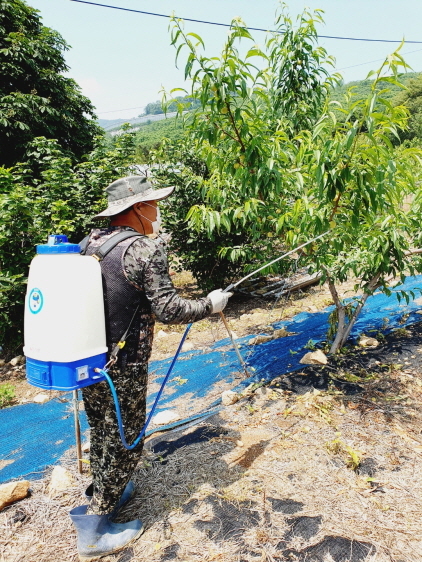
[(35, 436)]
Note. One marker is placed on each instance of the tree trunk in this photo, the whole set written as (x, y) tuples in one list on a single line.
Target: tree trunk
[(341, 313), (343, 328)]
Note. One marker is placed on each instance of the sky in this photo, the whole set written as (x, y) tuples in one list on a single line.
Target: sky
[(123, 60)]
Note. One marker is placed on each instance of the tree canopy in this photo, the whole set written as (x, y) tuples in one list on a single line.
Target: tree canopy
[(283, 169), (251, 109), (412, 99), (36, 99)]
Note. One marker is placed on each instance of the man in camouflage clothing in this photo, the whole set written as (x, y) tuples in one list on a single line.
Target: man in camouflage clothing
[(137, 289)]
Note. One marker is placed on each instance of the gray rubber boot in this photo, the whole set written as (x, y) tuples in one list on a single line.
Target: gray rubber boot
[(124, 498), (98, 536)]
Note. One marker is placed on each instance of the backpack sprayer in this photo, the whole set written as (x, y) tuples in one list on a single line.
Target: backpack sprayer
[(65, 336)]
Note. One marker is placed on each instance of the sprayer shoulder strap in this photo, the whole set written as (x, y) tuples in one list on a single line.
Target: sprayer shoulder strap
[(101, 252)]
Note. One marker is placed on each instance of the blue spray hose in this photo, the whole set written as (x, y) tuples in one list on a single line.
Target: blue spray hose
[(116, 399)]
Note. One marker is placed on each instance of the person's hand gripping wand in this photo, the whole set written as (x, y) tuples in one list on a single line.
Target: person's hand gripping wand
[(219, 299)]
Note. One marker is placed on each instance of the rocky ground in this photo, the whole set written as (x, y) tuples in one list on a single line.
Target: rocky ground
[(321, 465)]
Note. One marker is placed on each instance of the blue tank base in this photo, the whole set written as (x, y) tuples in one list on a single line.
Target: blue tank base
[(52, 375)]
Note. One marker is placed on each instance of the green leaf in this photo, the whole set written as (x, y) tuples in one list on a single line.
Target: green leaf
[(255, 52), (241, 32), (196, 36)]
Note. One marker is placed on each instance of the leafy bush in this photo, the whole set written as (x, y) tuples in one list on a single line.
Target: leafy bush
[(43, 195), (196, 251), (7, 395), (36, 99), (412, 99)]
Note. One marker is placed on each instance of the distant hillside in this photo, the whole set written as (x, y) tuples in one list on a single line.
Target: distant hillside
[(107, 124), (153, 112), (361, 88), (150, 135), (152, 128), (136, 122), (111, 125)]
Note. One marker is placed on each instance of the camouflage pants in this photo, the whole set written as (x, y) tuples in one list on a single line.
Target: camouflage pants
[(111, 463)]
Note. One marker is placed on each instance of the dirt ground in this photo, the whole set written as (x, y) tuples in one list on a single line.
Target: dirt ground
[(323, 465)]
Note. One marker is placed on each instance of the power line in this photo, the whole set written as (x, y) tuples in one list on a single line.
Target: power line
[(229, 25), (371, 61)]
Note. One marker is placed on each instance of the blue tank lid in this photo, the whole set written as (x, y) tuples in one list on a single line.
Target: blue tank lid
[(58, 244)]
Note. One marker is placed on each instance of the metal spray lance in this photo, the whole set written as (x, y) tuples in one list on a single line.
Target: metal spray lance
[(232, 286)]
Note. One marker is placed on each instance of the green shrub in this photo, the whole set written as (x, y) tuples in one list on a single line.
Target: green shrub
[(44, 195), (7, 395)]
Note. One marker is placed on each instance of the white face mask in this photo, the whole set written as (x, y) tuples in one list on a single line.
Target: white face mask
[(157, 223)]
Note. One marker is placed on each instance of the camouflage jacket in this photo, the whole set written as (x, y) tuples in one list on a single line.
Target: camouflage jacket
[(145, 266)]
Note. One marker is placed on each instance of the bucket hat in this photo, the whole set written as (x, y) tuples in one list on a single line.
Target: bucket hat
[(125, 192)]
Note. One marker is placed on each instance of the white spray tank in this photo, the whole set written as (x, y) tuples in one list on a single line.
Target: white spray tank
[(65, 338)]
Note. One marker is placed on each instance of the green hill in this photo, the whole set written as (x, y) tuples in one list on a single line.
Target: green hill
[(149, 135), (361, 88)]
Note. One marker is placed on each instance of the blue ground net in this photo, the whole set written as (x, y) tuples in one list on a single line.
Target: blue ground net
[(35, 436)]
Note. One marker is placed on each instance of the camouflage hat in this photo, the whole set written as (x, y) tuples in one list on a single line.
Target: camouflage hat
[(125, 192)]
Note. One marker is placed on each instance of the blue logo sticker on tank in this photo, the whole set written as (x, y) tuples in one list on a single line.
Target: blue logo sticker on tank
[(35, 301)]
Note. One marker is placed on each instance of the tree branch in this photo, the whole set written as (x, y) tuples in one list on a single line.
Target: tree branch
[(225, 132), (239, 138), (341, 316), (413, 251)]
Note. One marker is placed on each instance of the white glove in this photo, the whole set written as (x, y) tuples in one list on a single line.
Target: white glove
[(219, 299)]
